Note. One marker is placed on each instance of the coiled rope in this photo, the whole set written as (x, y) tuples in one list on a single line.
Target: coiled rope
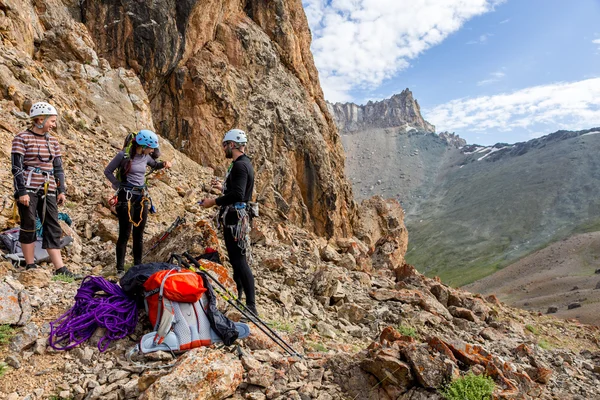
[(98, 304)]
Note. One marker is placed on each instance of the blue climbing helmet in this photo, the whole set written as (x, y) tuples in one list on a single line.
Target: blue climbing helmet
[(147, 138)]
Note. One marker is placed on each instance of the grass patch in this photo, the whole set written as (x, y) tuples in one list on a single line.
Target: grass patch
[(63, 278), (469, 387), (283, 326), (70, 204), (544, 344), (407, 331), (532, 329), (314, 346), (3, 369), (6, 333)]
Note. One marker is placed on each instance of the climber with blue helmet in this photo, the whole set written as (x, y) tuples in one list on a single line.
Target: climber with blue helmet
[(133, 199)]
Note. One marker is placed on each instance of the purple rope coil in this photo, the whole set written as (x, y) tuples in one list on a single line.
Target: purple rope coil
[(98, 303)]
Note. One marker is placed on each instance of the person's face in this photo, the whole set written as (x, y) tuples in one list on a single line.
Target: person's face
[(50, 123), (147, 150), (228, 149)]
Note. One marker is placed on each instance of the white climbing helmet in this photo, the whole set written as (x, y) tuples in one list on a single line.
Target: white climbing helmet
[(42, 109), (236, 135)]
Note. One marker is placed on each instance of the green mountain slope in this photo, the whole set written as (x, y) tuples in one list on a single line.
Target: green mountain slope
[(487, 211)]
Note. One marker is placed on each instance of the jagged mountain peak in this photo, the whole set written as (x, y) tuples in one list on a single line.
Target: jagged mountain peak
[(399, 110)]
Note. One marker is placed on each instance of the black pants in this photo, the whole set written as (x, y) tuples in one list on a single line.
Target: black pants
[(242, 274), (125, 226), (52, 229)]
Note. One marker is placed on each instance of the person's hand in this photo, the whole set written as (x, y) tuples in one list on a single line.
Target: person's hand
[(61, 199), (24, 200), (168, 164), (207, 203)]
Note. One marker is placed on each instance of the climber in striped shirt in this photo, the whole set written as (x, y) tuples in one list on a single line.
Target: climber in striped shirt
[(39, 182)]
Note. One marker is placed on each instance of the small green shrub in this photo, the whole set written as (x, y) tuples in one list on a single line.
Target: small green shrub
[(3, 369), (314, 346), (6, 332), (469, 387), (407, 331), (544, 344), (282, 326), (532, 329), (63, 278), (95, 80), (121, 86)]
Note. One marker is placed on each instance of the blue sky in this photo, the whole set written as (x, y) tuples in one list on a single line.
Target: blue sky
[(489, 70)]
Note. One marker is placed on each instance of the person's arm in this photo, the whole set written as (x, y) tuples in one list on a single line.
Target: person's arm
[(109, 171), (235, 193), (18, 173), (155, 164), (18, 167), (59, 175)]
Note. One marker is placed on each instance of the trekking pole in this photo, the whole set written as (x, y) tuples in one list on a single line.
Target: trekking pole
[(290, 350), (246, 312), (178, 221)]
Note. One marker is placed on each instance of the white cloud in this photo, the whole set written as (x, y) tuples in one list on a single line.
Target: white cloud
[(572, 105), (505, 21), (494, 77), (596, 41), (359, 43)]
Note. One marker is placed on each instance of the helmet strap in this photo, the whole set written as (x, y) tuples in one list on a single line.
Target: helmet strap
[(41, 126)]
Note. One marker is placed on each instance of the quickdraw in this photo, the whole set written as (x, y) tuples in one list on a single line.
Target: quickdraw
[(145, 199), (241, 230)]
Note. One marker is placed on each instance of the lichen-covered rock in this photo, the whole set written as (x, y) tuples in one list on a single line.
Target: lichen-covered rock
[(15, 306), (200, 374)]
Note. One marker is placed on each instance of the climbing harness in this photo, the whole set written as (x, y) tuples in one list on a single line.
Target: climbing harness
[(43, 187), (241, 230), (140, 192)]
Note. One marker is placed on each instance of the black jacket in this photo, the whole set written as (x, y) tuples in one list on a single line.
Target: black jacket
[(239, 184)]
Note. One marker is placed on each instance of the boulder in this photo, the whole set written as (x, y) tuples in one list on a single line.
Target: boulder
[(201, 373), (15, 305), (35, 277)]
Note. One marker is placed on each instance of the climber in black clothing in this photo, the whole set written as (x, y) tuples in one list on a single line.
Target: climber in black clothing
[(234, 213)]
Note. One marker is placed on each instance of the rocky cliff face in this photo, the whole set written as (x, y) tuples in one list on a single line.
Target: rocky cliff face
[(211, 66), (399, 110), (329, 298)]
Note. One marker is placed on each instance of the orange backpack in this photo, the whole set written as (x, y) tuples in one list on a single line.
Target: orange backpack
[(173, 302)]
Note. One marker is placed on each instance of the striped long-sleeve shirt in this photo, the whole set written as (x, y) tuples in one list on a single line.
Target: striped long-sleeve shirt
[(38, 151)]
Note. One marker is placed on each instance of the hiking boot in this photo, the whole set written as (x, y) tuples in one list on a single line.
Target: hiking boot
[(30, 266), (64, 271)]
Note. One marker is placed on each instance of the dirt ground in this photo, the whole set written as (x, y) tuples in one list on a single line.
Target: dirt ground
[(561, 274)]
